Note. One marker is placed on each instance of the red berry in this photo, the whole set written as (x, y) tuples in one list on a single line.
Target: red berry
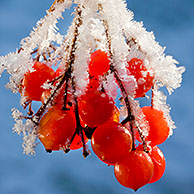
[(33, 81), (59, 71), (136, 135), (159, 162), (159, 129), (95, 108), (111, 142), (93, 84), (77, 142), (99, 63), (135, 171), (56, 128), (144, 78)]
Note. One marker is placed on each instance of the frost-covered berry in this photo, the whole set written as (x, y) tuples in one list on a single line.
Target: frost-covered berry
[(32, 83)]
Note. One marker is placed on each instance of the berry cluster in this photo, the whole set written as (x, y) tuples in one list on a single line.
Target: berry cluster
[(104, 56), (70, 121)]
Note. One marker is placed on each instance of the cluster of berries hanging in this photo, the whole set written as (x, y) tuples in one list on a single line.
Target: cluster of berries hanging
[(105, 56)]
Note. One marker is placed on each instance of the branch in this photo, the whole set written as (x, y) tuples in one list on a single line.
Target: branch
[(52, 8)]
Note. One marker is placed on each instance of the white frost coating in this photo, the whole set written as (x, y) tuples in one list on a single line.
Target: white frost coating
[(85, 44), (159, 103), (160, 63), (118, 43), (27, 129), (29, 138), (120, 52), (62, 52), (46, 30), (98, 34), (168, 74), (16, 64), (47, 85), (140, 119), (129, 83), (110, 86)]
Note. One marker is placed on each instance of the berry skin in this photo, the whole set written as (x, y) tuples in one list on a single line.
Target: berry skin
[(159, 129), (32, 82), (77, 142), (56, 128), (99, 63), (93, 84), (159, 162), (111, 142), (95, 108), (144, 78), (135, 171), (59, 71)]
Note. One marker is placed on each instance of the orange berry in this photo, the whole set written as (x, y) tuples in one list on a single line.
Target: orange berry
[(56, 128), (99, 63), (111, 142), (135, 171), (159, 129), (159, 163), (95, 108), (33, 81), (144, 78)]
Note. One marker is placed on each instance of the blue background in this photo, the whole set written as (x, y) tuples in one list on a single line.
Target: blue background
[(173, 24)]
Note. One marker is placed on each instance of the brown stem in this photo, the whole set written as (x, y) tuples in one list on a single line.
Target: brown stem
[(79, 128), (30, 111), (143, 140), (67, 74), (42, 109), (20, 50), (26, 103), (52, 8), (35, 51), (38, 57), (65, 96), (44, 56), (130, 117), (89, 131), (55, 79)]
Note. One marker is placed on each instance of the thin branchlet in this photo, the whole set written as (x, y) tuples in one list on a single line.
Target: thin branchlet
[(130, 117), (79, 128)]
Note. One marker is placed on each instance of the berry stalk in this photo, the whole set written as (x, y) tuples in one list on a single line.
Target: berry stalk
[(130, 117)]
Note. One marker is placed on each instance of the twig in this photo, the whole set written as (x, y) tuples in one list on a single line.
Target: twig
[(52, 8), (130, 117)]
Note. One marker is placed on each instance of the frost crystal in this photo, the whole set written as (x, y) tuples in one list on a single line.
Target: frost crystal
[(27, 129), (102, 24)]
